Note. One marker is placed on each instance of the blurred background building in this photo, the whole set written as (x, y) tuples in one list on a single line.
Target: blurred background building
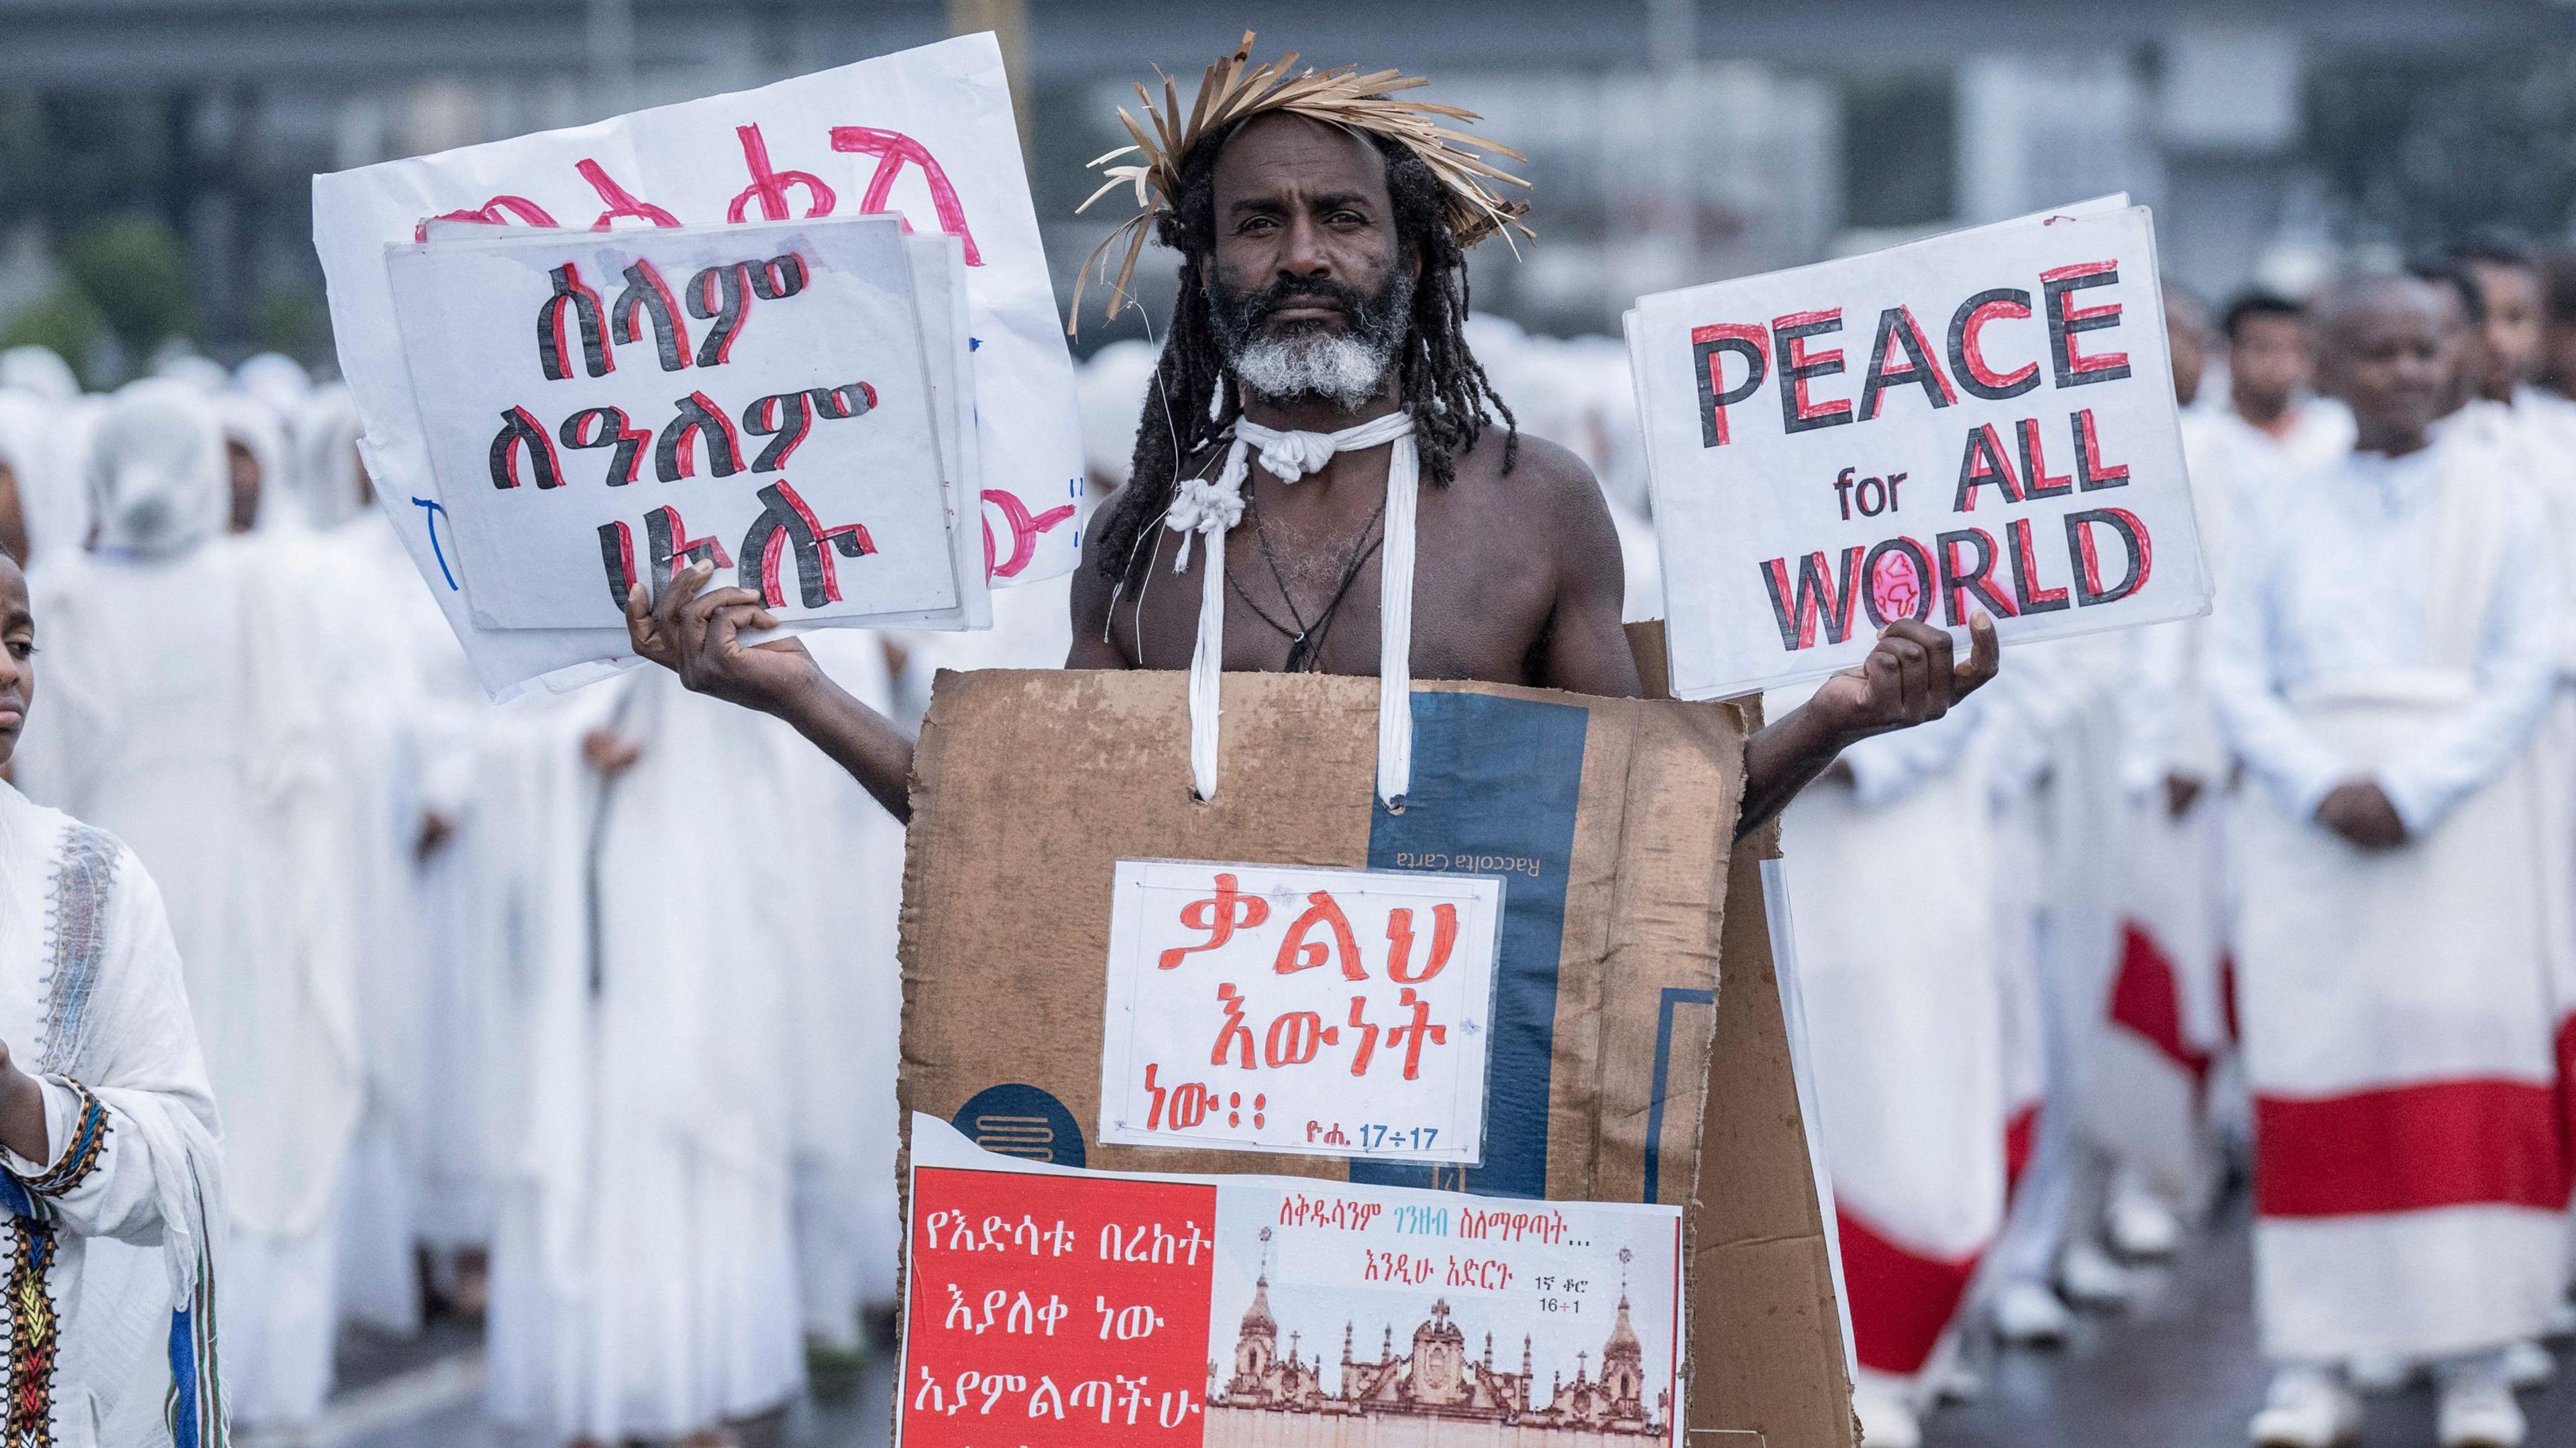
[(155, 154)]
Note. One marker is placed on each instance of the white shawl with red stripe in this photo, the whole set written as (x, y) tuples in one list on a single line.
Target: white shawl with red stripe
[(2402, 1010), (1890, 886)]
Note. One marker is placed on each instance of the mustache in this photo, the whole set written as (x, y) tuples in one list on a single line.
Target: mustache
[(1295, 291)]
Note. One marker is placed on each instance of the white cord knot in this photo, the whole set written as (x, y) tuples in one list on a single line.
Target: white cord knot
[(1290, 455), (1200, 506)]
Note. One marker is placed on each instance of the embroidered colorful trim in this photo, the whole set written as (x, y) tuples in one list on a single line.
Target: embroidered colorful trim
[(195, 1410), (27, 1420), (84, 878), (81, 1156)]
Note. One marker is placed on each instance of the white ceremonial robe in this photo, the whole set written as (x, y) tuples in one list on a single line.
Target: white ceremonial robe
[(112, 1243), (643, 1276), (181, 711), (2535, 442), (46, 447), (2057, 802), (2022, 850), (2402, 1011), (1897, 967), (846, 1010), (2320, 432), (385, 730), (2026, 707), (2165, 1022), (455, 900)]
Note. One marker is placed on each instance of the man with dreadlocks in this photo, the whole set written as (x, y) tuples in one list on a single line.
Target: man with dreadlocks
[(1322, 229)]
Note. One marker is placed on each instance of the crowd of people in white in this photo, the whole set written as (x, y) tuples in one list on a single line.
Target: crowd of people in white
[(2283, 880), (465, 1057), (2283, 889), (473, 1052)]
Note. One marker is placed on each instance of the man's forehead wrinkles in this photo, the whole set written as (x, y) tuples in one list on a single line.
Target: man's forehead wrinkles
[(1271, 157), (1281, 199)]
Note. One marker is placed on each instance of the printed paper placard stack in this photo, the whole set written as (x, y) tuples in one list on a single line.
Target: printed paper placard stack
[(748, 329)]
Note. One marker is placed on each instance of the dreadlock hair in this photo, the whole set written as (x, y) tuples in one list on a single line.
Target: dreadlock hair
[(1438, 379)]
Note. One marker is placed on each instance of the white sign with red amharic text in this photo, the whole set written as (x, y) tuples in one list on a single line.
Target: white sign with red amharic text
[(926, 134), (1283, 1009)]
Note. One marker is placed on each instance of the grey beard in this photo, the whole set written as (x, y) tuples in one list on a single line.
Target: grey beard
[(1342, 368)]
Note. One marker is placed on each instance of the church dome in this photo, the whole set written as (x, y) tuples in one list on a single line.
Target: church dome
[(1623, 1344), (1257, 1320)]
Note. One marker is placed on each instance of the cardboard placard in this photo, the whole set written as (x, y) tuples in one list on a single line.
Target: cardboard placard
[(1650, 1084), (926, 133), (1980, 421), (604, 409), (1323, 1012), (1608, 940), (1045, 1304)]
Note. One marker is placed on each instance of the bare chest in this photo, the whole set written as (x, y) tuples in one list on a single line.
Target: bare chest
[(1313, 599)]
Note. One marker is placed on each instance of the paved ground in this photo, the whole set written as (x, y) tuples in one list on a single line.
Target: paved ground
[(860, 1421), (2178, 1371), (428, 1393)]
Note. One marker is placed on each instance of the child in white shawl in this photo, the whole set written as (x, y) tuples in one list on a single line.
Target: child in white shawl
[(110, 1198)]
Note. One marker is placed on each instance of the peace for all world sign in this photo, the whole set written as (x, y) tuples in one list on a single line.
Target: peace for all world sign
[(1983, 421), (605, 409)]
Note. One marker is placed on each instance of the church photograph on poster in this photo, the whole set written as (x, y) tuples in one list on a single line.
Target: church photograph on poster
[(1559, 1353)]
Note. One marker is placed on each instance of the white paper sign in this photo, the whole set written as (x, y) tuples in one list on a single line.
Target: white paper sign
[(926, 133), (1280, 1009), (604, 409), (1980, 421)]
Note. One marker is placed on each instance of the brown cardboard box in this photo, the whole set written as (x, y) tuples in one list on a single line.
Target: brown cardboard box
[(1620, 814)]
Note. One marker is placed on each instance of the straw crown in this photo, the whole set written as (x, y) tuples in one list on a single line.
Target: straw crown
[(1234, 90)]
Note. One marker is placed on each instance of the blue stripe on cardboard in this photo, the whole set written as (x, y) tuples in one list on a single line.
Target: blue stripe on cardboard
[(1497, 778), (1674, 995)]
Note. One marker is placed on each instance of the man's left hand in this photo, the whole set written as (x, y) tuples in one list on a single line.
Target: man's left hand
[(1910, 678)]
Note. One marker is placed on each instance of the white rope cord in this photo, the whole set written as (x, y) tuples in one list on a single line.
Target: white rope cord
[(1212, 508), (1395, 638)]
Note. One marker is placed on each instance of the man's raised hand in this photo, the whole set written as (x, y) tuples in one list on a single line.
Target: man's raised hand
[(1912, 677), (697, 636)]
